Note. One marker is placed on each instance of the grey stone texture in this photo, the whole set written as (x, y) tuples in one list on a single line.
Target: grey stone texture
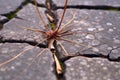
[(85, 2), (27, 66), (9, 5), (81, 68)]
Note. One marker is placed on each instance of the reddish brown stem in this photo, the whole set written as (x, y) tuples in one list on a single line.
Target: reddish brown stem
[(65, 6), (40, 15)]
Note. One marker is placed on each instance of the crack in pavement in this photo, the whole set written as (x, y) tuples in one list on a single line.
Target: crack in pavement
[(2, 40)]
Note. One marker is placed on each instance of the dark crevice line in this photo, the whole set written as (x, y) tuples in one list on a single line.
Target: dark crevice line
[(97, 55), (54, 7), (90, 56), (84, 55), (4, 21), (38, 4), (59, 76), (93, 7), (33, 43), (116, 60), (12, 14)]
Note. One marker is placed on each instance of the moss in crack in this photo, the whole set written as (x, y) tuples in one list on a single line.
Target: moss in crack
[(114, 9), (1, 26), (13, 14), (26, 2)]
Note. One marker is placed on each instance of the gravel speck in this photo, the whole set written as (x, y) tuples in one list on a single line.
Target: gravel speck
[(90, 36), (110, 30), (95, 49), (116, 41), (91, 29), (95, 42), (115, 51), (108, 24)]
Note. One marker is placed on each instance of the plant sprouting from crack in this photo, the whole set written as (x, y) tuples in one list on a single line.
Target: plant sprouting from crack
[(53, 34)]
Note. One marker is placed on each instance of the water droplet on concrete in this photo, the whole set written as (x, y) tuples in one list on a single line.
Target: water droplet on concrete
[(95, 49), (4, 50), (12, 32), (108, 23), (80, 40), (99, 36), (91, 29), (116, 41), (105, 68), (110, 30), (90, 36), (109, 48), (18, 63), (115, 51), (3, 69), (100, 29), (13, 67), (95, 42)]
